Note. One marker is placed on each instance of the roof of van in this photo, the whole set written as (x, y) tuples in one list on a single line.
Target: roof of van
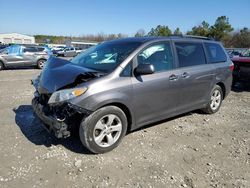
[(152, 38)]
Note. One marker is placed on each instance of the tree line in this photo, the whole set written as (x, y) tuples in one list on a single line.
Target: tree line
[(221, 30), (90, 38)]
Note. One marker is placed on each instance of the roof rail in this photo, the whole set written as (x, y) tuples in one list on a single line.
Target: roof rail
[(193, 36)]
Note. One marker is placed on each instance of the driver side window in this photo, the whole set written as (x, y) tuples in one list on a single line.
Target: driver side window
[(159, 55)]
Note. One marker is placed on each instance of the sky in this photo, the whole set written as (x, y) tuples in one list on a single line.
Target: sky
[(79, 17)]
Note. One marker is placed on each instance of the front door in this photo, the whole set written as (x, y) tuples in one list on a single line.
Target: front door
[(29, 56), (154, 95), (13, 56)]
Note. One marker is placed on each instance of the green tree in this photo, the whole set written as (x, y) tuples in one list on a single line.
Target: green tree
[(200, 30), (177, 31), (160, 30), (221, 28), (241, 39)]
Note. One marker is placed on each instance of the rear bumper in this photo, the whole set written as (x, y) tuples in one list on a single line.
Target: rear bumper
[(51, 124)]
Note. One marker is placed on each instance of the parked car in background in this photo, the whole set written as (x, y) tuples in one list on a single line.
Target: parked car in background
[(57, 49), (69, 52), (121, 85), (23, 56), (241, 66), (235, 51), (2, 46)]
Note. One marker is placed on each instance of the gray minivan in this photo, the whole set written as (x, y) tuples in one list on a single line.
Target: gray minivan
[(121, 85)]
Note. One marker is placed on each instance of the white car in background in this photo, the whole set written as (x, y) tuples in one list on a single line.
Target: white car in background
[(69, 52)]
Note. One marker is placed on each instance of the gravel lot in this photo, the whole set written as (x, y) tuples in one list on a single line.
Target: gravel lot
[(192, 150)]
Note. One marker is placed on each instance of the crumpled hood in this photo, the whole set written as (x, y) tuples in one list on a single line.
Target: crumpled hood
[(59, 73)]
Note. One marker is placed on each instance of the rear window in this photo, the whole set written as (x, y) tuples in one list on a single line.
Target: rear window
[(215, 53), (190, 54)]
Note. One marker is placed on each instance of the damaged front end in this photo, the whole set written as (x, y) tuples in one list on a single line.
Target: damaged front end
[(61, 119), (57, 85)]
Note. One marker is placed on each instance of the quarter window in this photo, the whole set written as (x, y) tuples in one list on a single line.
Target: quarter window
[(190, 54), (127, 71), (215, 53), (159, 55)]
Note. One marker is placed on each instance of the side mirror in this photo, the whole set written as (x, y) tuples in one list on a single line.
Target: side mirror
[(143, 69)]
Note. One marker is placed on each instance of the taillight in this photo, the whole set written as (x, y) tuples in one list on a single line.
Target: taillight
[(231, 67)]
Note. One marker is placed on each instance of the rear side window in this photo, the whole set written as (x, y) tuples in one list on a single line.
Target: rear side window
[(29, 49), (215, 53), (190, 54), (40, 49)]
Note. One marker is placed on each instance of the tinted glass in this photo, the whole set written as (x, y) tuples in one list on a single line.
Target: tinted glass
[(40, 49), (190, 54), (215, 53), (159, 55), (29, 49), (106, 56)]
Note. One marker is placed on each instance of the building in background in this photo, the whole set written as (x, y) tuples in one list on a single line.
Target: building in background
[(16, 38)]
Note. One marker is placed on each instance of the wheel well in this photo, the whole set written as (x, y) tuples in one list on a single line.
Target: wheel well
[(41, 59), (223, 88), (2, 63), (125, 109)]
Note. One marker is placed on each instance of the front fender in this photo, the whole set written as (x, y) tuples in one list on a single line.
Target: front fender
[(94, 102)]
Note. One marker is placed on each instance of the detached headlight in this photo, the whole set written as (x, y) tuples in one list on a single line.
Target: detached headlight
[(66, 94)]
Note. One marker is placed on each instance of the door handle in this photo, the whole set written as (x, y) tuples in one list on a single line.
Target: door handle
[(185, 75), (173, 77)]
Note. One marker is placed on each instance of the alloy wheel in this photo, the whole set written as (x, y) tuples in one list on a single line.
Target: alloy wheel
[(215, 99), (107, 130), (41, 63)]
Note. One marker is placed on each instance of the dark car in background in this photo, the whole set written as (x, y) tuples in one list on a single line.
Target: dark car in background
[(121, 85), (241, 66), (24, 56), (2, 46)]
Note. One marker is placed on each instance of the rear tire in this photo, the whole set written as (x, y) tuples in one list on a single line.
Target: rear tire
[(40, 63), (103, 130), (1, 66), (216, 98)]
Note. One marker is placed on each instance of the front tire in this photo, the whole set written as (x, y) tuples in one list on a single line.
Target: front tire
[(41, 63), (103, 130), (216, 98)]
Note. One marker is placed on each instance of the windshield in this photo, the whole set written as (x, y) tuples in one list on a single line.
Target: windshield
[(107, 56)]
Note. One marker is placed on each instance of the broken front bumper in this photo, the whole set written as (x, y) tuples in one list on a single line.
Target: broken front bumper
[(60, 126), (50, 123)]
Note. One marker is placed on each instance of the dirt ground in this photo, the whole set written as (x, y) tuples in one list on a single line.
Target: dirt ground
[(192, 150)]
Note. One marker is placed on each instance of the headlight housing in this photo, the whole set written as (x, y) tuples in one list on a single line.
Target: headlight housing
[(66, 94)]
